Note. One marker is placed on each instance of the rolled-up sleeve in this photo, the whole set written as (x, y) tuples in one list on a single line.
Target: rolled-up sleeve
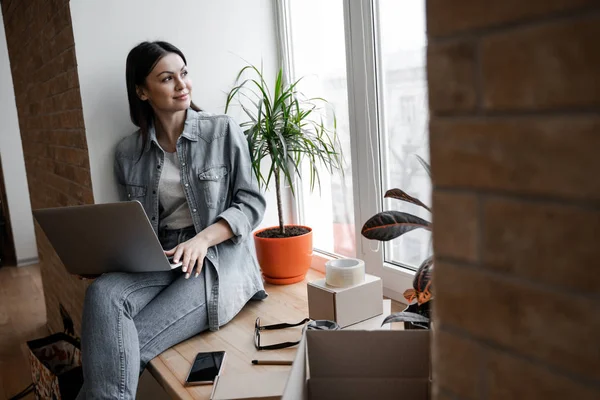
[(247, 202)]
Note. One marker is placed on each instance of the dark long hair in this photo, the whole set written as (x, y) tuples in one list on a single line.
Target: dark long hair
[(140, 61)]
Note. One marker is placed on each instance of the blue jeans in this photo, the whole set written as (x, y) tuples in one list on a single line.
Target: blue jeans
[(128, 319)]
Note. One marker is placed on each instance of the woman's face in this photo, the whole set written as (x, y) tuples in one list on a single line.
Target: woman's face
[(168, 87)]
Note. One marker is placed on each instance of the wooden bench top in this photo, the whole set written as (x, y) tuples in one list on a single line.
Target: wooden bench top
[(285, 304)]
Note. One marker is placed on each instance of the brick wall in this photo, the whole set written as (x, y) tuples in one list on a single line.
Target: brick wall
[(41, 49), (515, 133)]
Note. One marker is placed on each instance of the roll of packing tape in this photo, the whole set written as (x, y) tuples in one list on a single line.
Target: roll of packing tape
[(344, 272), (322, 325)]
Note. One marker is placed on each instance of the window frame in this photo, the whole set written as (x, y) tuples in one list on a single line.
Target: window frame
[(363, 99)]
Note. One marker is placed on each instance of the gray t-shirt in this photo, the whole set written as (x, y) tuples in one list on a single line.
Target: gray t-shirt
[(175, 211)]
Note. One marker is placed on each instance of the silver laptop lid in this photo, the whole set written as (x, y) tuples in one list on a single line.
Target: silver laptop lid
[(98, 238)]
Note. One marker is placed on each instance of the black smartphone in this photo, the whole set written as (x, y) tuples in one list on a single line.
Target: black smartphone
[(206, 368)]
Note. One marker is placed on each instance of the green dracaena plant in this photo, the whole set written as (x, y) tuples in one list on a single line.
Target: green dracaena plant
[(285, 128)]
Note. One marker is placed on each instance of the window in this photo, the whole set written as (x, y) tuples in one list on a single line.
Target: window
[(368, 59), (401, 46), (318, 53)]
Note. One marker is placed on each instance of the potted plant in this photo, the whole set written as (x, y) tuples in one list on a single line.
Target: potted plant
[(287, 129), (388, 225)]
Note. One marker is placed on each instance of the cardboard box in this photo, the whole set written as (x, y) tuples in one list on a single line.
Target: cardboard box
[(346, 306), (374, 323), (349, 364), (264, 386)]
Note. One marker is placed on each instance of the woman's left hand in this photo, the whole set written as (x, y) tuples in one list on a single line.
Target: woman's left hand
[(191, 253)]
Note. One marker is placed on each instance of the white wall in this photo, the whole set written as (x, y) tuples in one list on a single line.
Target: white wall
[(13, 164), (215, 36)]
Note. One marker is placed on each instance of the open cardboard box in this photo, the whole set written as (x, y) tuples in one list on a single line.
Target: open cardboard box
[(349, 364), (347, 305)]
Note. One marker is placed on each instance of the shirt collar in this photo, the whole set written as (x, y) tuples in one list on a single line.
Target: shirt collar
[(189, 129)]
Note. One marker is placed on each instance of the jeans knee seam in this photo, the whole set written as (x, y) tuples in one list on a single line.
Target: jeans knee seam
[(126, 292), (140, 285), (168, 326), (121, 354)]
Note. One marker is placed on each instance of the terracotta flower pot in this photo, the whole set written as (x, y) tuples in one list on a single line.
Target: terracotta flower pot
[(284, 260)]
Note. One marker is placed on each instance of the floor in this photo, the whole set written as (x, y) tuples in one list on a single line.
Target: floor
[(22, 318)]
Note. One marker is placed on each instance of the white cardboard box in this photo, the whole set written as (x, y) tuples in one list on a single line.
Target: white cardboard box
[(349, 365), (346, 306), (375, 322)]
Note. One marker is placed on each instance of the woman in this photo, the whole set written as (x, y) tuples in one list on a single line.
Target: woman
[(192, 173)]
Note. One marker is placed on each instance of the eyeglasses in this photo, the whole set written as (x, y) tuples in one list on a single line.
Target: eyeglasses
[(283, 345)]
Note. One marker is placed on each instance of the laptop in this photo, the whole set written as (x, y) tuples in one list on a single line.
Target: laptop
[(98, 238)]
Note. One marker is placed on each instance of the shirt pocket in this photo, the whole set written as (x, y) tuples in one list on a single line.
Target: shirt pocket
[(213, 182), (135, 192)]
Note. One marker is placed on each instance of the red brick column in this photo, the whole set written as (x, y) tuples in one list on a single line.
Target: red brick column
[(41, 49), (515, 138)]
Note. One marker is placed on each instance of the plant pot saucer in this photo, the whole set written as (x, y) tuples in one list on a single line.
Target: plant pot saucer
[(284, 281)]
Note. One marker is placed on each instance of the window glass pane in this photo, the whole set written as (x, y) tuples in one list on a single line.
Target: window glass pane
[(319, 56), (402, 87)]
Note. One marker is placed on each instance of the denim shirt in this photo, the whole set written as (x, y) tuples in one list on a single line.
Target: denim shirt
[(219, 184)]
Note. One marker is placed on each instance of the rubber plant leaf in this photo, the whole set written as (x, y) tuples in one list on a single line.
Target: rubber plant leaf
[(389, 225), (404, 316), (425, 165), (402, 195), (410, 295)]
